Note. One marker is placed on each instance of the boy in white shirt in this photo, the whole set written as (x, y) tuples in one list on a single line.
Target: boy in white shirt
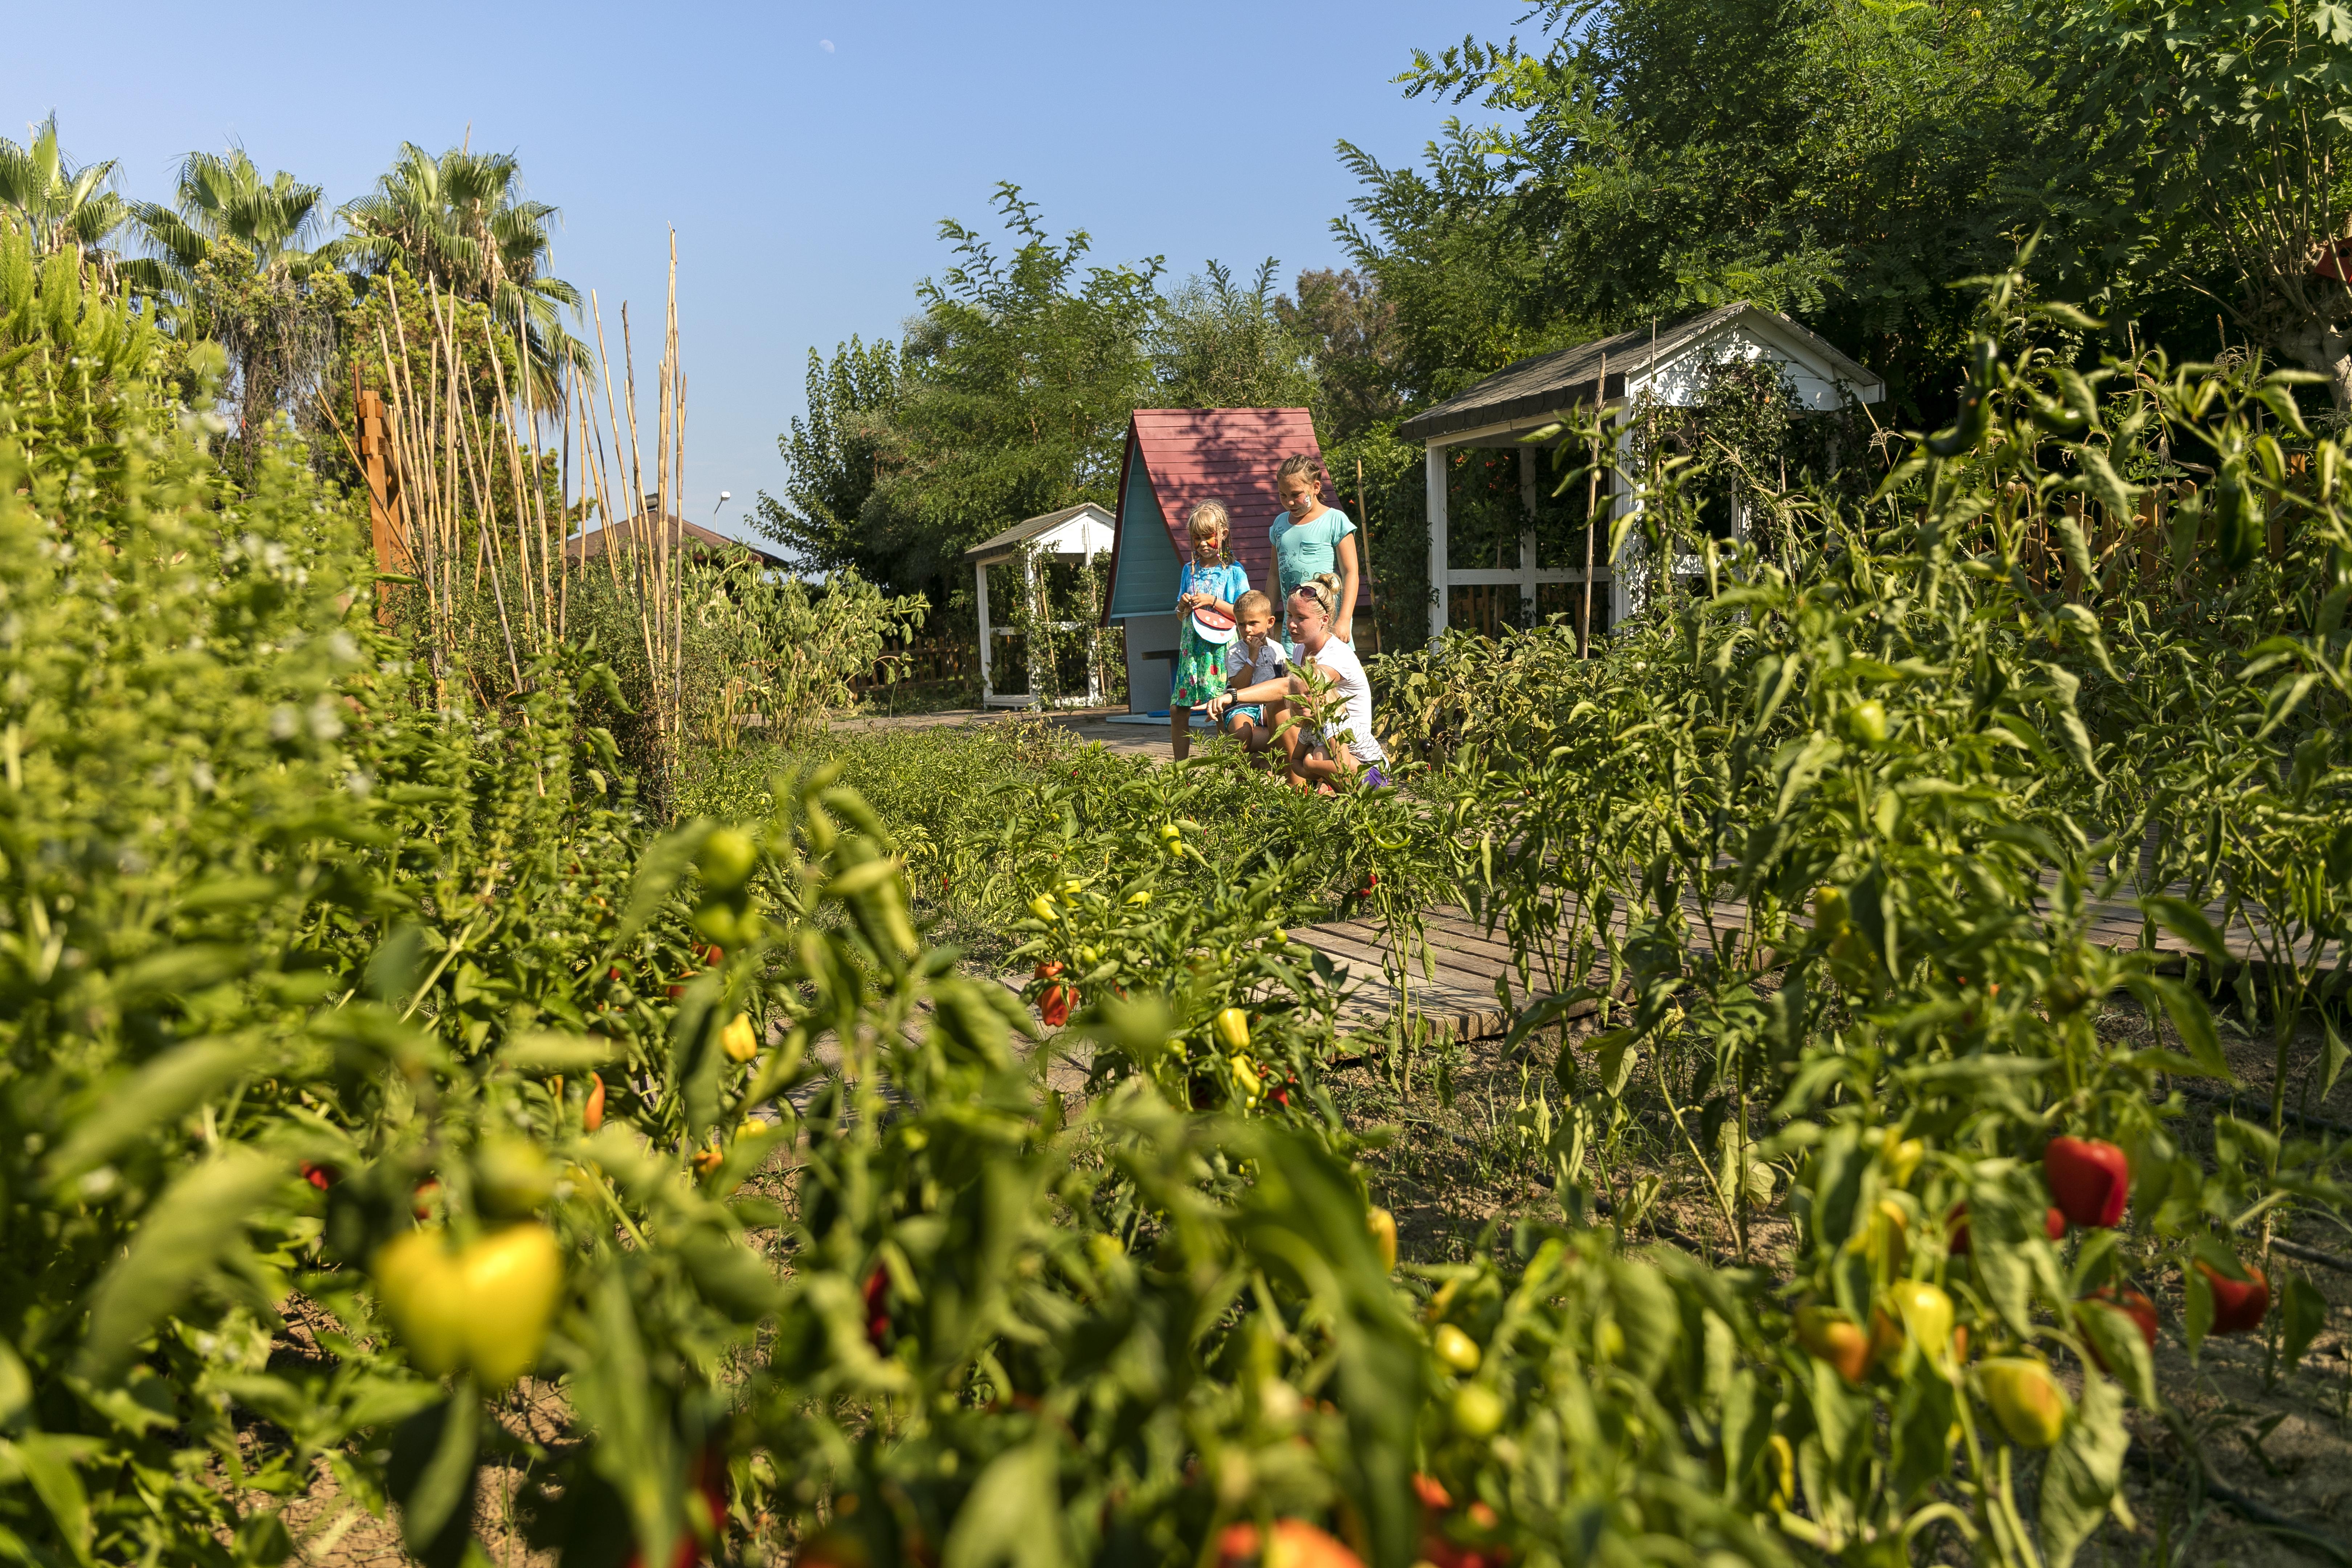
[(1255, 656)]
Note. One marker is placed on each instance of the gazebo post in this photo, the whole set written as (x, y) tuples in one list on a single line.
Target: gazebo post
[(1036, 603), (1437, 555), (1527, 488), (980, 599)]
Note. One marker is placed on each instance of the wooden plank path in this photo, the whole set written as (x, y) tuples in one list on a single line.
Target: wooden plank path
[(1455, 996)]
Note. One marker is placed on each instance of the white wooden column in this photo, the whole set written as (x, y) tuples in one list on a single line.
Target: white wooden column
[(979, 599), (1626, 588), (1527, 491), (1036, 619), (1437, 584)]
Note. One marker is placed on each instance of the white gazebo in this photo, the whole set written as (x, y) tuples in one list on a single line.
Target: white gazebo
[(1076, 534), (1663, 361)]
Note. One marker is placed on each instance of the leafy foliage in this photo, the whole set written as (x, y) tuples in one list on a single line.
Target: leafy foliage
[(2220, 133)]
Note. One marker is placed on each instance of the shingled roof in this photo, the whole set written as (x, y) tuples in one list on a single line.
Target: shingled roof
[(1192, 455), (685, 538), (998, 546), (1555, 383)]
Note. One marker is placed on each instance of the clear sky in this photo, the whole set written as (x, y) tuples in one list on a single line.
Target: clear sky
[(805, 152)]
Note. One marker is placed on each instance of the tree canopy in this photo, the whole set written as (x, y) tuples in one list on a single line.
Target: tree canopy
[(1010, 393), (1841, 160)]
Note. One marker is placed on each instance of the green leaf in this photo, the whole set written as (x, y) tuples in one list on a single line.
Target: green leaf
[(2069, 529), (432, 1476), (2084, 1470), (2190, 923), (16, 1385), (659, 871), (47, 1462), (2336, 1054), (1013, 1515), (2303, 1312), (2117, 1338), (188, 1232), (541, 1052), (180, 972), (157, 1094), (2191, 1020)]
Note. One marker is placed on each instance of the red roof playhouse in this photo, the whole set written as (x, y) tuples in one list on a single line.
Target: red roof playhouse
[(1177, 459)]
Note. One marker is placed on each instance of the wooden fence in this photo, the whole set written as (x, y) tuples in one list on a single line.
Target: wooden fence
[(2144, 538), (929, 661)]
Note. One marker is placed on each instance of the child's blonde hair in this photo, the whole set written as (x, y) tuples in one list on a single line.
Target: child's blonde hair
[(1209, 520), (1253, 603)]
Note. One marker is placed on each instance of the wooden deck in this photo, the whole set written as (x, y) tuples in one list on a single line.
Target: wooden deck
[(1456, 996)]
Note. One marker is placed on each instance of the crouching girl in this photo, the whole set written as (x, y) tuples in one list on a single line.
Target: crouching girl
[(1335, 742)]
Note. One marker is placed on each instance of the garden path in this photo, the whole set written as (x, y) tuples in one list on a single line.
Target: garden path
[(1452, 987), (1088, 724)]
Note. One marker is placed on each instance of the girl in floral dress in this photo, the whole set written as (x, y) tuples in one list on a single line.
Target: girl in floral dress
[(1204, 598)]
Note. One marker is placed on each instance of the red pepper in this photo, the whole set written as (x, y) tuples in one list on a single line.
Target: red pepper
[(2089, 1179), (878, 1305)]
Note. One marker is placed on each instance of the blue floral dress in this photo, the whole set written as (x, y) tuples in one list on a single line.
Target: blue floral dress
[(1200, 666)]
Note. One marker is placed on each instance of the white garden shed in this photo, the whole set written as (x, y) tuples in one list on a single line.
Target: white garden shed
[(1075, 534), (1663, 361)]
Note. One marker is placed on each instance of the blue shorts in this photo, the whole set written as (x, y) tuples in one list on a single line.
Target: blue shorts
[(1240, 711)]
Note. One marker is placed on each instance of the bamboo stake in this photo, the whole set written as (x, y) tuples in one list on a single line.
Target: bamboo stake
[(532, 602)]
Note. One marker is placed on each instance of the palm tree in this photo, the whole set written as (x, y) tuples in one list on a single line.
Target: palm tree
[(244, 260), (460, 221), (62, 204), (226, 217)]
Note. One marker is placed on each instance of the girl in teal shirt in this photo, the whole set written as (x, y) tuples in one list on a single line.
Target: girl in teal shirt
[(1310, 538)]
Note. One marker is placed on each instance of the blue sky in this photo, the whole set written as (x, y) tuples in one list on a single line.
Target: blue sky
[(804, 153)]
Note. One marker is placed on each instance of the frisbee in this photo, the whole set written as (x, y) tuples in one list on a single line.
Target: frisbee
[(1213, 626)]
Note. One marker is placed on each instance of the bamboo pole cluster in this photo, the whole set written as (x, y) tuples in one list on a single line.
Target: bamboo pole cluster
[(460, 459)]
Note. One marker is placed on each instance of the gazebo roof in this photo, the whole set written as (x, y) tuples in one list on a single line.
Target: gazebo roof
[(1548, 384), (999, 546)]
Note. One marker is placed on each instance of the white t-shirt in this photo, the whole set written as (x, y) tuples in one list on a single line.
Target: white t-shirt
[(1354, 690), (1241, 669)]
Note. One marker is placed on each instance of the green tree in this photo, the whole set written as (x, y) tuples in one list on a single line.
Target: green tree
[(1350, 330), (246, 261), (62, 203), (1219, 345), (1841, 160), (833, 459), (1018, 378), (461, 222), (2219, 134)]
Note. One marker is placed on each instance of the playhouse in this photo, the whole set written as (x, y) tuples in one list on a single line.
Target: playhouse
[(1177, 459)]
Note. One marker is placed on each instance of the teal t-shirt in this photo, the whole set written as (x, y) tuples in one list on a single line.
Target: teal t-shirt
[(1303, 549)]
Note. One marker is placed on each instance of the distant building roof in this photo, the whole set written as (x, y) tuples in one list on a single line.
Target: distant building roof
[(639, 531), (1557, 381), (1000, 545)]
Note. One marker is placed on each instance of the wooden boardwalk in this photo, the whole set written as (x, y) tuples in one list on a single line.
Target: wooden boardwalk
[(1456, 995)]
